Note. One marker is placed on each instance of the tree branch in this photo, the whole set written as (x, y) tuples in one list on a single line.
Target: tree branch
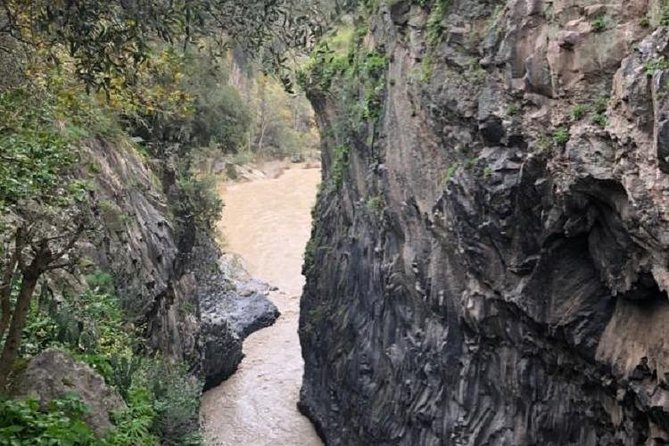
[(70, 244)]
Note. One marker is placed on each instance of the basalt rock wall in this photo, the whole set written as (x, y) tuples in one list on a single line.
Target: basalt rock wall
[(193, 304), (489, 261)]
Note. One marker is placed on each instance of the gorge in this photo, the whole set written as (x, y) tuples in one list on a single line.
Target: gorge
[(487, 261), (266, 222)]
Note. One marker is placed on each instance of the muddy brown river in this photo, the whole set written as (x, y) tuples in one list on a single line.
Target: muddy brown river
[(268, 223)]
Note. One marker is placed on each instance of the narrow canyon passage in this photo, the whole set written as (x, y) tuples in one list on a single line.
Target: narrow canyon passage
[(268, 223)]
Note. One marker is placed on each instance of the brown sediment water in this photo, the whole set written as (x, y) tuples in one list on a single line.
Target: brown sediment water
[(268, 223)]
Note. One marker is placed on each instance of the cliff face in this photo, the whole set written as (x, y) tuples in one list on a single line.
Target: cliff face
[(489, 260), (173, 282)]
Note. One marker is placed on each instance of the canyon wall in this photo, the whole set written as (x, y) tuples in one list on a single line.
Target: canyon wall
[(192, 303), (489, 259)]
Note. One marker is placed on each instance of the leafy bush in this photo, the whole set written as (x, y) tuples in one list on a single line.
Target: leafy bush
[(92, 325), (23, 422), (162, 398), (133, 425), (221, 117), (434, 28), (34, 154), (198, 202), (175, 397)]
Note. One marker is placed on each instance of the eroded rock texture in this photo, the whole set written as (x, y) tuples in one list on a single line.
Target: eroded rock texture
[(173, 281), (493, 268)]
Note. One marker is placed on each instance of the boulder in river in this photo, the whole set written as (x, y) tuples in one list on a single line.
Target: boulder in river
[(230, 311)]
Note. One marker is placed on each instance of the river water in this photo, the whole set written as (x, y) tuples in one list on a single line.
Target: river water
[(268, 223)]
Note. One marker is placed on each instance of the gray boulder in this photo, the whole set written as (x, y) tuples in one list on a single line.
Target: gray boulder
[(54, 374)]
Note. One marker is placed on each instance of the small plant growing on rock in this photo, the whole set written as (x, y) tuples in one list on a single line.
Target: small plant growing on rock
[(471, 163), (578, 112), (600, 24), (487, 172), (449, 174), (513, 110), (664, 18), (600, 120), (375, 205), (434, 27), (543, 144), (601, 104), (655, 65), (341, 160), (561, 136)]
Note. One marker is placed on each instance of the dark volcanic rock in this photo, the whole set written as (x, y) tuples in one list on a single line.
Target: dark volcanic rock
[(232, 306), (197, 308), (511, 290)]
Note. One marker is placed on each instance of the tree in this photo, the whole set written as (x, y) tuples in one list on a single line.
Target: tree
[(114, 38), (43, 209), (36, 246)]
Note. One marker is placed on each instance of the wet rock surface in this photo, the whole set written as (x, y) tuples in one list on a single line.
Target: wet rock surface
[(230, 311), (513, 289)]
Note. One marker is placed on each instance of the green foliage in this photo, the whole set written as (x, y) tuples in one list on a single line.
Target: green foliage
[(114, 39), (513, 109), (133, 425), (221, 117), (198, 204), (162, 399), (375, 205), (92, 327), (372, 70), (426, 69), (600, 24), (487, 172), (561, 136), (360, 87), (34, 154), (434, 27), (323, 66), (656, 65), (175, 397), (449, 174), (664, 16), (578, 111), (601, 104), (340, 165), (25, 423), (600, 120)]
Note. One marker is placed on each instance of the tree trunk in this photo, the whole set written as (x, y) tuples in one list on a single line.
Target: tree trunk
[(5, 294), (13, 341)]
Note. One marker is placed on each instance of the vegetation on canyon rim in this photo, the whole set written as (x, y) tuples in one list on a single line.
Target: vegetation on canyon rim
[(153, 77)]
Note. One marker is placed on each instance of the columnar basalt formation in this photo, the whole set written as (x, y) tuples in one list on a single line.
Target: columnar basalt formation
[(489, 261), (194, 304)]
